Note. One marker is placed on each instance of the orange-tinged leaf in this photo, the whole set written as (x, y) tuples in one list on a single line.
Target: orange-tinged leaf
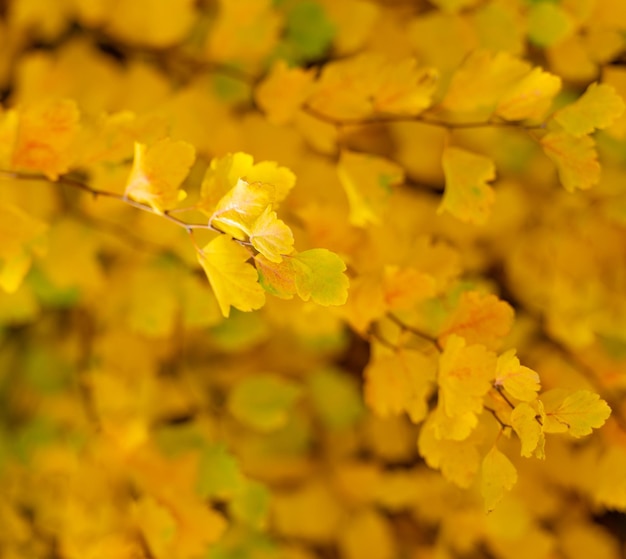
[(44, 137), (367, 181), (271, 236), (234, 281), (404, 287), (465, 375), (520, 382), (575, 158), (319, 276), (575, 412), (498, 476), (483, 80), (467, 196), (531, 97), (400, 382), (239, 208), (598, 107), (277, 278), (157, 173), (525, 420), (283, 92), (480, 319)]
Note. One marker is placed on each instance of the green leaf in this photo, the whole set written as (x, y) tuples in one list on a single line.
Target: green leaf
[(263, 402), (336, 398), (250, 505), (218, 473), (308, 32), (319, 275)]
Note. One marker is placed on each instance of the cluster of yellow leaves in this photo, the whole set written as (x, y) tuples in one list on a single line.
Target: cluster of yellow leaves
[(252, 231)]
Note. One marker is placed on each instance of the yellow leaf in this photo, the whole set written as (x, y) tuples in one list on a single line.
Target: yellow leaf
[(498, 476), (599, 107), (483, 80), (529, 429), (400, 382), (283, 92), (45, 136), (157, 173), (319, 276), (368, 84), (480, 319), (234, 281), (465, 375), (531, 97), (404, 287), (160, 23), (21, 236), (575, 158), (270, 236), (577, 413), (367, 534), (236, 212), (221, 176), (367, 181), (243, 32), (615, 76), (520, 382), (457, 460), (467, 196)]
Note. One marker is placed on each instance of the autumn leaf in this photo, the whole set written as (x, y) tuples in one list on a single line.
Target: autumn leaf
[(465, 376), (21, 237), (44, 137), (528, 424), (480, 319), (520, 382), (237, 211), (277, 278), (319, 276), (458, 460), (483, 80), (234, 281), (157, 173), (283, 92), (399, 382), (498, 476), (404, 287), (598, 107), (531, 97), (577, 413), (270, 236), (224, 174), (368, 84), (575, 158), (367, 181), (467, 196)]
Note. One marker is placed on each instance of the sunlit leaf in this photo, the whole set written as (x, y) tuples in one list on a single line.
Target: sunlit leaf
[(157, 173), (234, 281)]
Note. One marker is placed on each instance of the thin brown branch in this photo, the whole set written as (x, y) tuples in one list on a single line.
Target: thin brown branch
[(497, 418), (415, 331)]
